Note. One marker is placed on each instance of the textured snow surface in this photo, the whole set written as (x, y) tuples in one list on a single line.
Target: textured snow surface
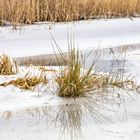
[(36, 39), (25, 116)]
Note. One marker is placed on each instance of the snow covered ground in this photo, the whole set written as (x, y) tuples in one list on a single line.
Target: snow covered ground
[(24, 115), (36, 39)]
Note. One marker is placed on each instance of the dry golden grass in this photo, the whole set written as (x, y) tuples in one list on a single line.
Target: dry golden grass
[(30, 11), (70, 82), (44, 69), (75, 81), (7, 65), (27, 82)]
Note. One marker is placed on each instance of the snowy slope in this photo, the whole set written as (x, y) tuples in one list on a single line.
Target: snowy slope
[(24, 115), (36, 39)]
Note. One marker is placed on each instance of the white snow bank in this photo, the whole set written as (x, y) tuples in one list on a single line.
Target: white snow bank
[(13, 98), (36, 39)]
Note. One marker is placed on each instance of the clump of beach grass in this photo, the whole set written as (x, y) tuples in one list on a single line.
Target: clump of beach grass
[(75, 80), (27, 82), (7, 65), (70, 82)]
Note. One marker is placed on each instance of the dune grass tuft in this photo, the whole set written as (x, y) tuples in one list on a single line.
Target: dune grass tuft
[(27, 82), (7, 65), (75, 81), (71, 83)]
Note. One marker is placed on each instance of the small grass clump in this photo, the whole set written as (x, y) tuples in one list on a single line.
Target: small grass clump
[(7, 65), (75, 81), (99, 81), (71, 82), (27, 82)]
